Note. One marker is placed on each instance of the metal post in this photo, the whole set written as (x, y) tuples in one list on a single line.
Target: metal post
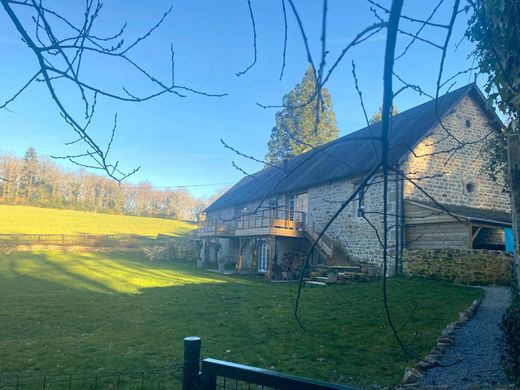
[(191, 363), (513, 162)]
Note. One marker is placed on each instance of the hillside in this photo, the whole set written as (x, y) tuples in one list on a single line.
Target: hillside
[(35, 220)]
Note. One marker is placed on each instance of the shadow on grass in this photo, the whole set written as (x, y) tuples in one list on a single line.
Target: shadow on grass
[(116, 272), (64, 312)]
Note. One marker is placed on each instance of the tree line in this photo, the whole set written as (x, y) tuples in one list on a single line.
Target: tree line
[(36, 180)]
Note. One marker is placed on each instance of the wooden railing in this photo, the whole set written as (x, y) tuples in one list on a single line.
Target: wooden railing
[(325, 244), (269, 221), (216, 227), (91, 240), (270, 218), (266, 221)]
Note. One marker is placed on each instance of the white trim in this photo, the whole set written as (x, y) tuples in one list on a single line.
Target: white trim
[(263, 256)]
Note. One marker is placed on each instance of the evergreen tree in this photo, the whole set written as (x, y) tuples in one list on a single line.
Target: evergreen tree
[(29, 178), (378, 115), (296, 131)]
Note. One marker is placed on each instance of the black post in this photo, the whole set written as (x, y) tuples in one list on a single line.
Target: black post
[(191, 364)]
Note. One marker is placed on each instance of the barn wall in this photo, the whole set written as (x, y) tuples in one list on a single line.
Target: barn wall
[(449, 173), (448, 235), (352, 233)]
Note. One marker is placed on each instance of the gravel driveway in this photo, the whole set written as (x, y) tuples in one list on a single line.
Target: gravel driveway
[(477, 344)]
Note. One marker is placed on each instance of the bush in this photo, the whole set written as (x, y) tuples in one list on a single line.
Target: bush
[(510, 325)]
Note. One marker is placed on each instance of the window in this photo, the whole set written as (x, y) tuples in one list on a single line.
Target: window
[(468, 123), (470, 187), (298, 207), (360, 204)]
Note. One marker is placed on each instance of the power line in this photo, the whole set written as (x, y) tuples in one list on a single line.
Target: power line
[(179, 186)]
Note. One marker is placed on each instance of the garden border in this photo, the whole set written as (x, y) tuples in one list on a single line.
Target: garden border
[(412, 375)]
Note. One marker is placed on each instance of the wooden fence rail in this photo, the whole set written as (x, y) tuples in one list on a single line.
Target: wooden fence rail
[(105, 240)]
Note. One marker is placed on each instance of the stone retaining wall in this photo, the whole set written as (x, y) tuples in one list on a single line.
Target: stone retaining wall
[(463, 266)]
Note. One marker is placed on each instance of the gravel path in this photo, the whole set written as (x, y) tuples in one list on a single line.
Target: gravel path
[(477, 345)]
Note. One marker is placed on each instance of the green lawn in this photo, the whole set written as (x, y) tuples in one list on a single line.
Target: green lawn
[(63, 312), (35, 220)]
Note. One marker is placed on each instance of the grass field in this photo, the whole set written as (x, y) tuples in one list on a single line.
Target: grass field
[(63, 312), (35, 220)]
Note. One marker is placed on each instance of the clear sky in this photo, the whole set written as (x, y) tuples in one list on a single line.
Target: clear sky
[(176, 141)]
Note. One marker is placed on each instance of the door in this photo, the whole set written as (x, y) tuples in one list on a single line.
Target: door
[(262, 256), (298, 207)]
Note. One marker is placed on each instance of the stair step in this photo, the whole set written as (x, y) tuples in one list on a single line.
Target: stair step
[(323, 279), (349, 274), (311, 283), (346, 268)]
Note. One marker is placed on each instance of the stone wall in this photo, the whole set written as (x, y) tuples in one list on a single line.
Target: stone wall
[(351, 232), (461, 266), (456, 178)]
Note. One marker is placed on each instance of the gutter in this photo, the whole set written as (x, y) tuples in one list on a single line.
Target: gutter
[(470, 219)]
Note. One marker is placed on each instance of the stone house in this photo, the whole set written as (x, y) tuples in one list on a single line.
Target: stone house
[(437, 145)]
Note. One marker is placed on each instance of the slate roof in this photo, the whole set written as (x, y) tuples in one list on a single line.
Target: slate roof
[(346, 157), (471, 214)]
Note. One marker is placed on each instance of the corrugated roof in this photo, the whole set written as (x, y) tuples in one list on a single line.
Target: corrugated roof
[(471, 214), (349, 156)]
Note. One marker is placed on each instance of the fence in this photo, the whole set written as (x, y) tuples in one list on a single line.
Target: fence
[(89, 240), (212, 374), (218, 374), (163, 378)]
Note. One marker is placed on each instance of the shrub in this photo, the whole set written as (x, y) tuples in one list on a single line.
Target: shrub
[(510, 325)]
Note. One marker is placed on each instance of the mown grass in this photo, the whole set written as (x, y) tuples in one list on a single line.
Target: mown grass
[(63, 312), (35, 220)]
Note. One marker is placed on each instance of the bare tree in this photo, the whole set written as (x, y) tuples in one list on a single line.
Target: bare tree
[(392, 20), (60, 47)]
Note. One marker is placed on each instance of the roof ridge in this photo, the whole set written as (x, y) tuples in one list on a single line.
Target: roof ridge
[(313, 168)]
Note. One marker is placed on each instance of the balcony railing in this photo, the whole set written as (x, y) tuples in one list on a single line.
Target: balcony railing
[(269, 218), (266, 221), (215, 227)]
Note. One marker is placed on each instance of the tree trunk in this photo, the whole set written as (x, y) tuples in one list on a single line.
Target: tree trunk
[(513, 157)]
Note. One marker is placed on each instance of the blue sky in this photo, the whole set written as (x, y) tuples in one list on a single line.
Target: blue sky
[(176, 141)]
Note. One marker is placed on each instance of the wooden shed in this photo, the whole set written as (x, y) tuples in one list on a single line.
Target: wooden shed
[(437, 226)]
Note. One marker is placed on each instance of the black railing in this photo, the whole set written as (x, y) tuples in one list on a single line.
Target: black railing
[(218, 374)]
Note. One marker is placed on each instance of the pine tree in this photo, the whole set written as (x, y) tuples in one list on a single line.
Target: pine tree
[(296, 131), (29, 176), (378, 115)]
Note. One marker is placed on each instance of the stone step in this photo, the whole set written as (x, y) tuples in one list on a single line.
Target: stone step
[(322, 279), (350, 274), (312, 283), (346, 268)]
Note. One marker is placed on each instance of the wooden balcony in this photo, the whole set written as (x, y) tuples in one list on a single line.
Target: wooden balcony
[(215, 228), (266, 222), (271, 223)]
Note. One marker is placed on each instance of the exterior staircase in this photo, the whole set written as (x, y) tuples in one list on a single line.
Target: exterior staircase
[(325, 245), (325, 275)]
